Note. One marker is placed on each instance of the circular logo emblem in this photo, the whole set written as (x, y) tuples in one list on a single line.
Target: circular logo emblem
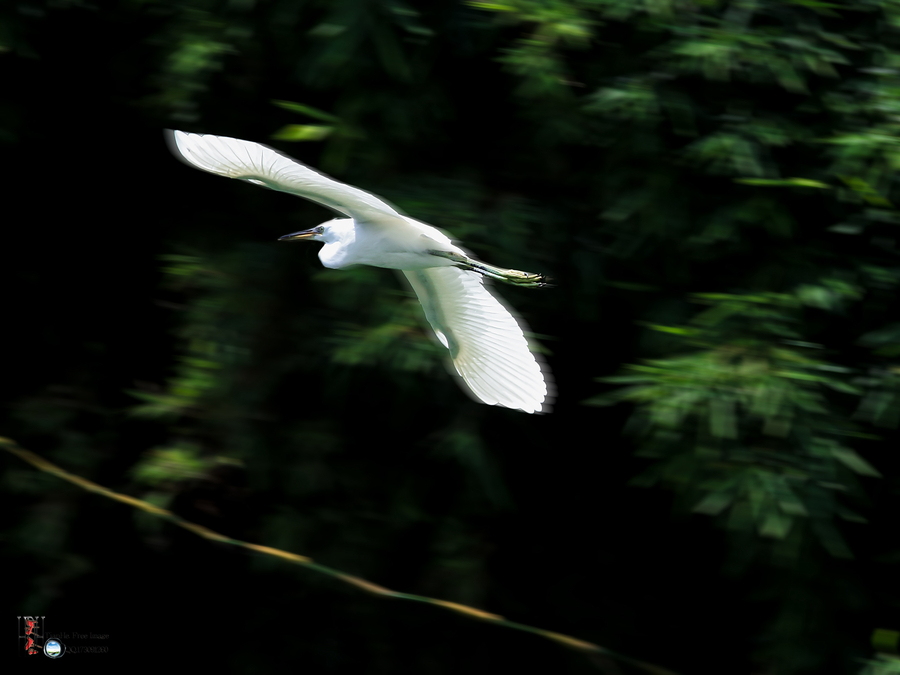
[(54, 648)]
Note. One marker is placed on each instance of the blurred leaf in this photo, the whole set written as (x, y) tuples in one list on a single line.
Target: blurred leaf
[(775, 525), (884, 640), (853, 461), (493, 6), (302, 132), (713, 503), (167, 464), (783, 182), (308, 110)]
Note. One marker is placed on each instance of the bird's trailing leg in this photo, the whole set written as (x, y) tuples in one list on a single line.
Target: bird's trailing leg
[(514, 277)]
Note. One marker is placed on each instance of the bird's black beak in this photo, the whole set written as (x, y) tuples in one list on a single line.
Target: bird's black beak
[(300, 236)]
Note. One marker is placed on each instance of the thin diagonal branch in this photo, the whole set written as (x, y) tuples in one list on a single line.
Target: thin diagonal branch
[(595, 653)]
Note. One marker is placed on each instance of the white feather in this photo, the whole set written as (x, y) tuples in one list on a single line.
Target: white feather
[(486, 343), (262, 165)]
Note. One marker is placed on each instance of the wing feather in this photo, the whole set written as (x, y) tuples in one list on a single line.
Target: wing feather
[(262, 165), (486, 343)]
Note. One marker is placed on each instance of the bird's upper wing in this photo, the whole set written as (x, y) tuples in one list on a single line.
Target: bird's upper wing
[(486, 343), (260, 164)]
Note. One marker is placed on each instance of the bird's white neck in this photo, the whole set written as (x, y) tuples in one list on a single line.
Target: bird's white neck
[(338, 236)]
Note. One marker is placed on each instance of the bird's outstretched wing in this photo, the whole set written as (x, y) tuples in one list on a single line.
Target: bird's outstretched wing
[(486, 343), (262, 165)]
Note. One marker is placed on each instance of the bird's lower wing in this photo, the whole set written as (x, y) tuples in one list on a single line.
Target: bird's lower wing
[(486, 343), (262, 165)]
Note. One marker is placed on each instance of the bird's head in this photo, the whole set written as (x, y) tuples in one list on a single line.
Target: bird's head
[(315, 234), (326, 232)]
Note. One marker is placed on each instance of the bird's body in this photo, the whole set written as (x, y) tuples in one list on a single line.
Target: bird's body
[(404, 244), (486, 343)]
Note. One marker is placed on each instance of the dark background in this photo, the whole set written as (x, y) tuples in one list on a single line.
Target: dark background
[(160, 342)]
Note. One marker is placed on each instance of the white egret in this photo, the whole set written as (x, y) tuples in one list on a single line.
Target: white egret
[(487, 345)]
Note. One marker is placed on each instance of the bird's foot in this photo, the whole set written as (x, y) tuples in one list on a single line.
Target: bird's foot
[(512, 277), (525, 279), (507, 276)]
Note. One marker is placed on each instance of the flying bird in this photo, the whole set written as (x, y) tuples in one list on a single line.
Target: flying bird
[(486, 343)]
